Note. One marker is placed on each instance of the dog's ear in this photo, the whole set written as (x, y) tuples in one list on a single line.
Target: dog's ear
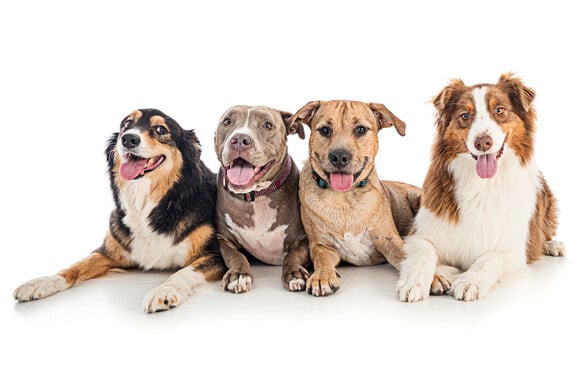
[(520, 95), (444, 103), (292, 126), (386, 119), (306, 113)]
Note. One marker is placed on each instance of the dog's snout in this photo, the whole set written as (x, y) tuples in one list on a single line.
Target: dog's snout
[(130, 140), (240, 142), (340, 157), (483, 143)]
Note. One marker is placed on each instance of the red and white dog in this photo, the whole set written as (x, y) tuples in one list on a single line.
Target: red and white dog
[(486, 208)]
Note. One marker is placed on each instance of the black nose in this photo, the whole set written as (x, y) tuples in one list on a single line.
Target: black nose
[(241, 142), (130, 140), (340, 157)]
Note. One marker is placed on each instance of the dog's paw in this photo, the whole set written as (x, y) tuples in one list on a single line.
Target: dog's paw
[(237, 282), (414, 288), (469, 288), (323, 283), (555, 249), (162, 298), (40, 288), (439, 285), (294, 280)]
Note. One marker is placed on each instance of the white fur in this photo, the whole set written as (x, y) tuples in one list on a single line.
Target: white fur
[(242, 284), (258, 239), (488, 241), (355, 249), (149, 250), (297, 284), (175, 290), (141, 150), (483, 124), (40, 288)]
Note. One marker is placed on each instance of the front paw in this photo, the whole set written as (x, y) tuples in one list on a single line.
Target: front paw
[(414, 287), (323, 283), (469, 288), (237, 282), (439, 285), (294, 280), (40, 288), (162, 298)]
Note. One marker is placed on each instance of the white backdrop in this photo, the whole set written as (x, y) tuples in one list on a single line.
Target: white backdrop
[(70, 71)]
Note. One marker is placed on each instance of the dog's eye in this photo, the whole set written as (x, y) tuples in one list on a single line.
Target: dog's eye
[(267, 125), (161, 130), (127, 124), (325, 131), (227, 122), (465, 116), (360, 131), (499, 111)]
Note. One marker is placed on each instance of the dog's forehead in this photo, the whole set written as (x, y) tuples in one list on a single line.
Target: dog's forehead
[(344, 111), (263, 113)]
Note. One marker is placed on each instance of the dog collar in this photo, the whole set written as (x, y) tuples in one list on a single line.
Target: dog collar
[(277, 183), (324, 184)]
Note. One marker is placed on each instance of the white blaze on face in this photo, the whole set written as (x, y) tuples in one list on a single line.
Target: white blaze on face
[(484, 125), (242, 130)]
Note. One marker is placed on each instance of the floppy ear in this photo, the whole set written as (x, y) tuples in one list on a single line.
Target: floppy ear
[(305, 114), (292, 127), (386, 119), (444, 102), (521, 96)]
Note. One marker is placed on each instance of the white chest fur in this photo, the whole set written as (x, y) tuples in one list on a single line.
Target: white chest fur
[(150, 250), (355, 249), (494, 213), (258, 239)]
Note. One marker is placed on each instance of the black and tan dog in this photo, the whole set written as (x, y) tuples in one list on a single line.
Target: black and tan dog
[(258, 201), (163, 220), (348, 213)]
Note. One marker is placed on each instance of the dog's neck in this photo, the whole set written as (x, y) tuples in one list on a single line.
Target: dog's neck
[(275, 185), (322, 183)]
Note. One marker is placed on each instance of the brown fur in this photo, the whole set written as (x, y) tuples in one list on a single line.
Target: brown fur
[(518, 122), (382, 210)]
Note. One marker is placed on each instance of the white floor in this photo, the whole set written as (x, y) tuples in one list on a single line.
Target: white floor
[(528, 333)]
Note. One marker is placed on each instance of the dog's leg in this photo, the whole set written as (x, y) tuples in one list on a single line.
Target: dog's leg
[(391, 246), (238, 278), (183, 283), (96, 265), (484, 273), (324, 280), (294, 272), (417, 270)]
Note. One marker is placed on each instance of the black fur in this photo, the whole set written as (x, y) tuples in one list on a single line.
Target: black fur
[(189, 203)]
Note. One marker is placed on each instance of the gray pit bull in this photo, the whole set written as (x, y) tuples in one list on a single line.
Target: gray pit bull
[(258, 197)]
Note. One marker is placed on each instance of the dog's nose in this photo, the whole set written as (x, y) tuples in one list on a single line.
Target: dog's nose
[(483, 143), (241, 142), (130, 140), (340, 157)]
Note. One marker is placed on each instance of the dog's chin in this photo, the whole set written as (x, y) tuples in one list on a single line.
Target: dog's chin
[(242, 176), (135, 167)]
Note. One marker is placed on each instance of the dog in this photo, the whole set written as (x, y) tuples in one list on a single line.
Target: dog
[(486, 208), (163, 218), (258, 202), (348, 213)]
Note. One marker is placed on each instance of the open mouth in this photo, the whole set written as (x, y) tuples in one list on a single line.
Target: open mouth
[(486, 165), (135, 166), (240, 173), (343, 181)]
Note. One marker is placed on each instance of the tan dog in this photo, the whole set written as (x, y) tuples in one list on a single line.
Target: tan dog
[(347, 212)]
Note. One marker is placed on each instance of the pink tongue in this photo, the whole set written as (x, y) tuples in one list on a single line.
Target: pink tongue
[(486, 165), (240, 174), (341, 181), (132, 168)]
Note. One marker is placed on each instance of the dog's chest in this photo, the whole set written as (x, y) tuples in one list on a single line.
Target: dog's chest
[(494, 215), (149, 249), (356, 249), (261, 238)]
